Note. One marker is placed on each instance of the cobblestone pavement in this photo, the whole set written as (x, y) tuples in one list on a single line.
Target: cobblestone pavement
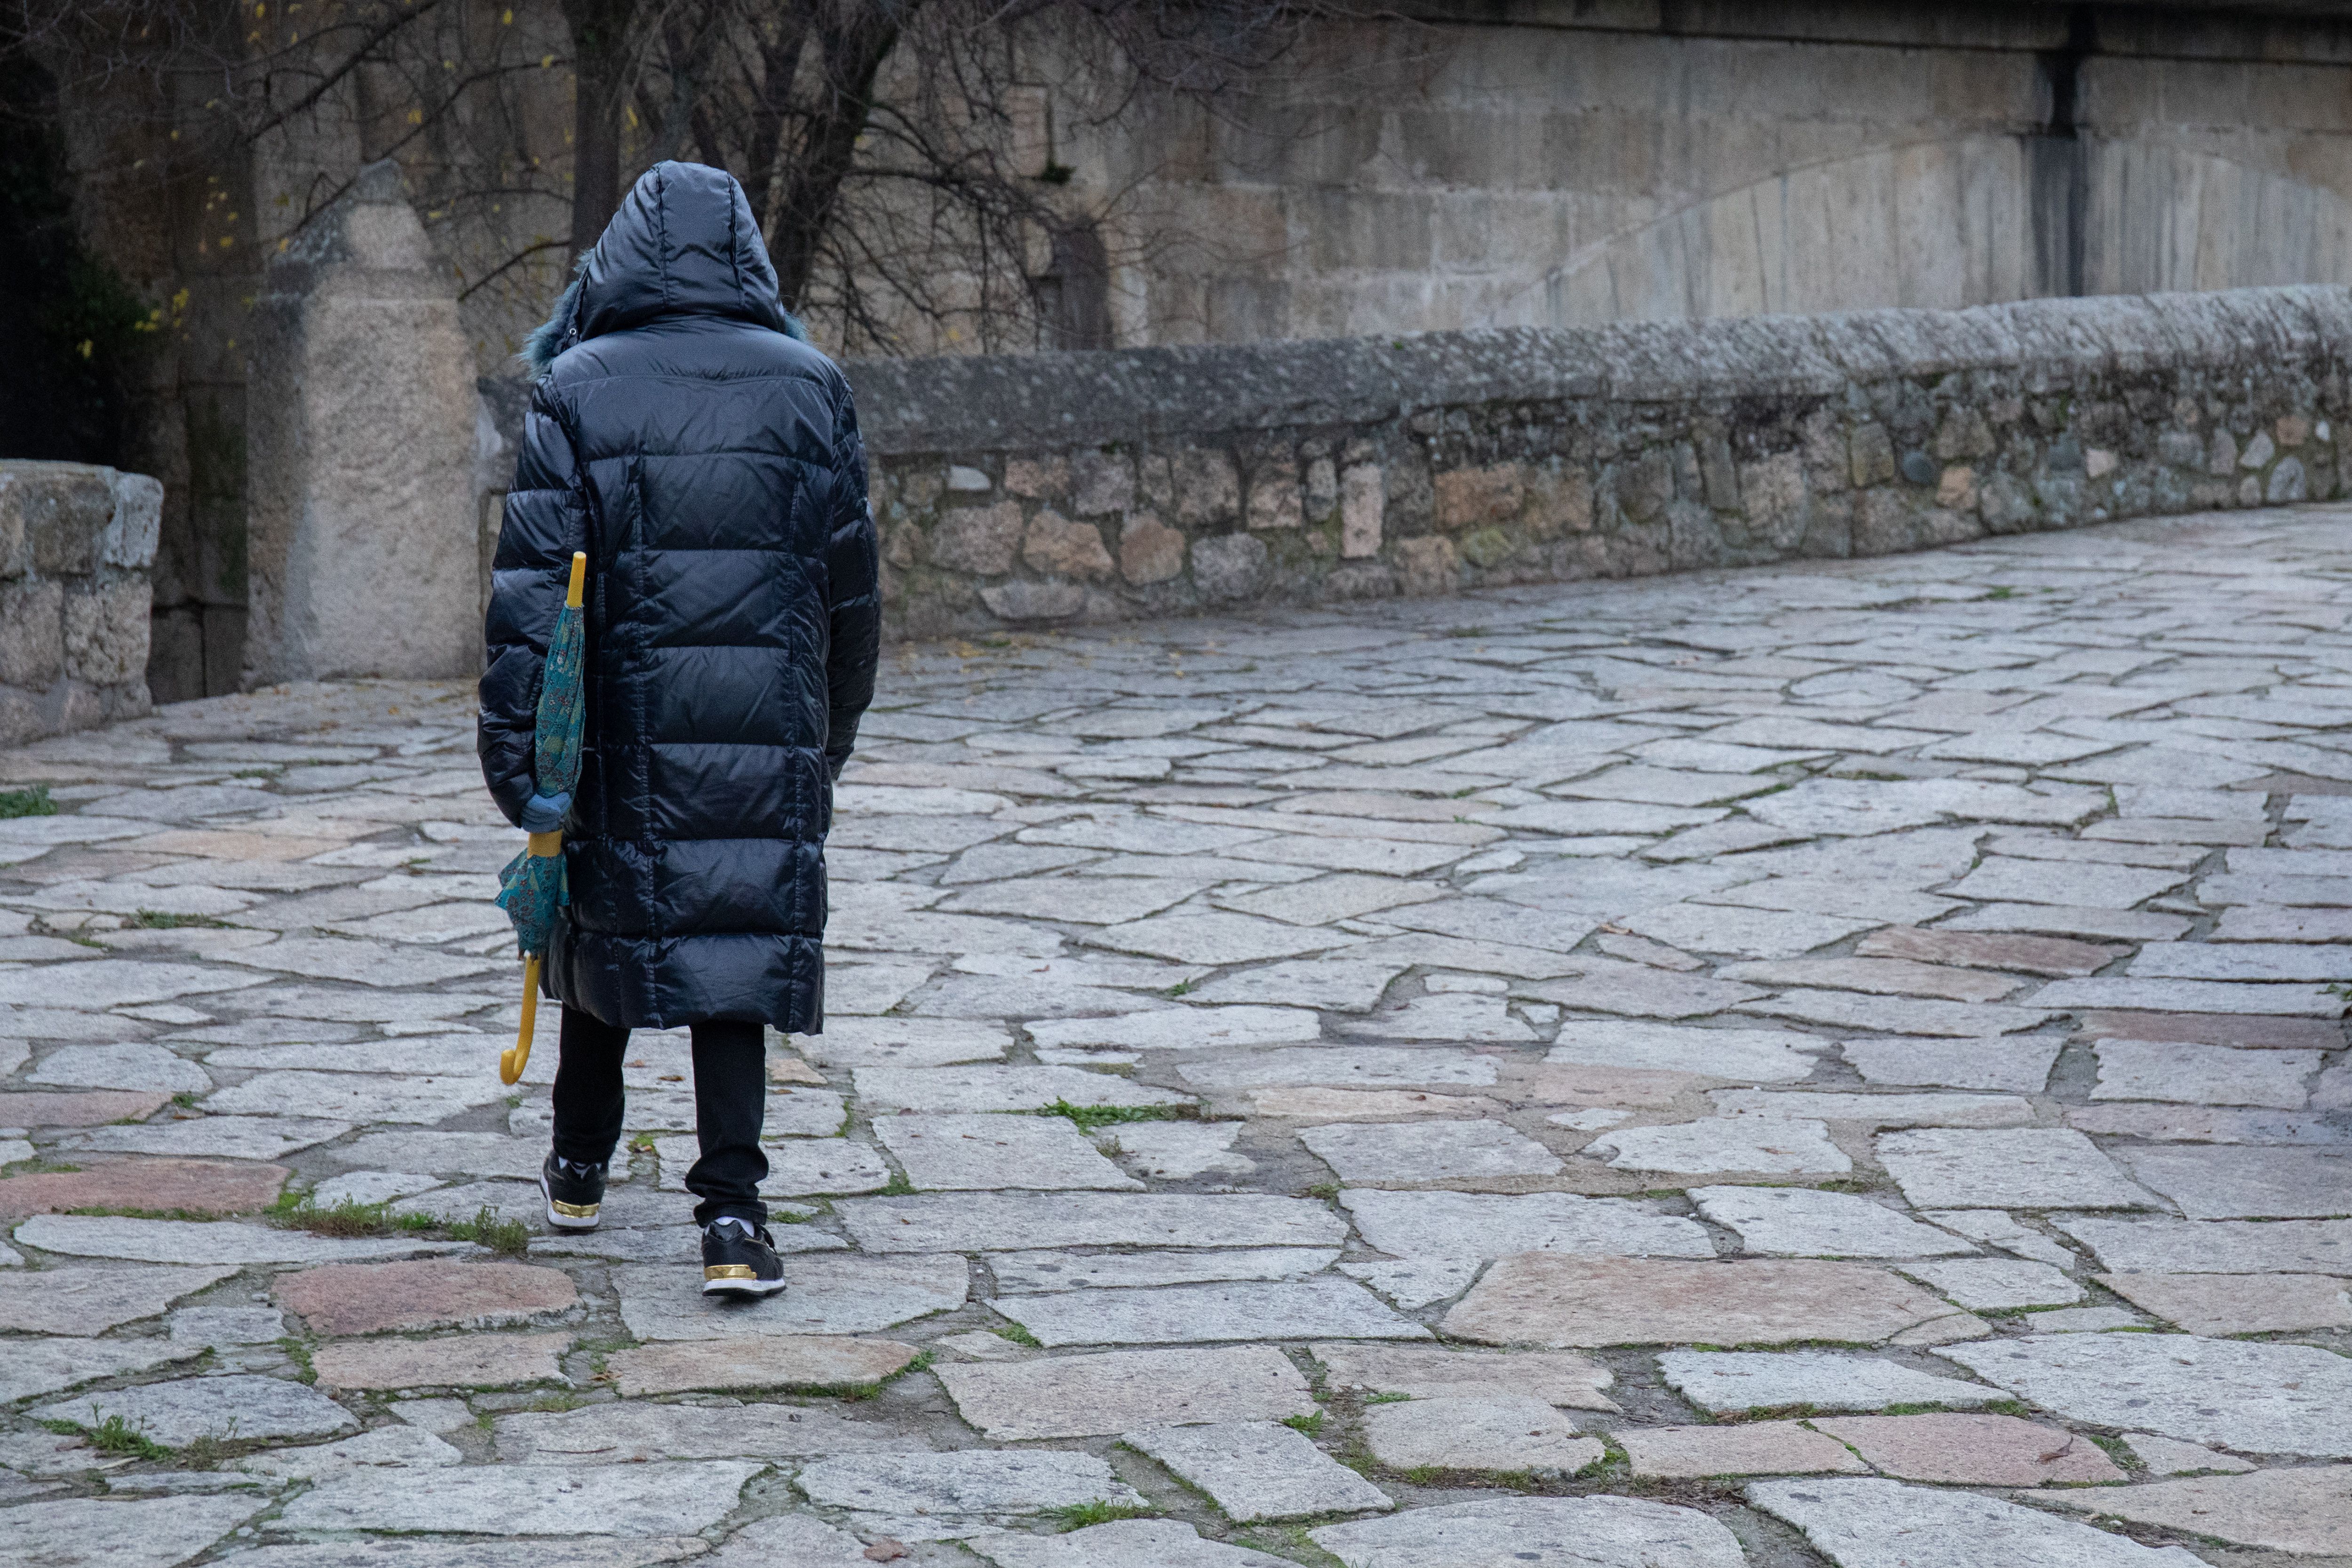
[(1835, 1064)]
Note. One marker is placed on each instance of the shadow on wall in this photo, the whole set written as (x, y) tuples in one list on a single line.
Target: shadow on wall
[(1948, 224)]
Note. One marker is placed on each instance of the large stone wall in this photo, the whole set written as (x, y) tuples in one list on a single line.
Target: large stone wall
[(1032, 489), (77, 545)]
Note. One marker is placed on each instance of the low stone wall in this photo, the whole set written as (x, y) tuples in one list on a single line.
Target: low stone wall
[(1021, 490), (77, 545)]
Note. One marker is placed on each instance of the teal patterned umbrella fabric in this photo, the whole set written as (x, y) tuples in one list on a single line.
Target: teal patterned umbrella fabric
[(531, 889)]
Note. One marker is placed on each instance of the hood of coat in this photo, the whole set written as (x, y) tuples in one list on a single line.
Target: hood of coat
[(683, 244)]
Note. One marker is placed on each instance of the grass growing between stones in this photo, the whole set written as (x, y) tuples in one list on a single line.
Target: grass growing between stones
[(1018, 1335), (156, 920), (1310, 1425), (348, 1219), (1078, 1515), (1090, 1117), (508, 1237), (113, 1436), (33, 802)]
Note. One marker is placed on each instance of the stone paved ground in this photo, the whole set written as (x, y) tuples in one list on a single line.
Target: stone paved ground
[(1829, 1064)]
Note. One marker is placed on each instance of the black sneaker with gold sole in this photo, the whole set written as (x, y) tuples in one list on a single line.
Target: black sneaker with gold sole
[(574, 1193), (738, 1259)]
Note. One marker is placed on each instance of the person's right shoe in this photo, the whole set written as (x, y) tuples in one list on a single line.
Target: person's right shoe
[(738, 1259), (574, 1193)]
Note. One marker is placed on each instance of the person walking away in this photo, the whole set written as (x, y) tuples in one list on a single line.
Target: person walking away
[(685, 436)]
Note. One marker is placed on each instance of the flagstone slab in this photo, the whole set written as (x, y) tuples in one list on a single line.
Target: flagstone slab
[(1474, 1227), (1739, 932), (2215, 1246), (2260, 1397), (1257, 1471), (668, 1499), (214, 1241), (1172, 1151), (83, 1300), (259, 1137), (2169, 1456), (1018, 1222), (221, 1328), (40, 1366), (1320, 1308), (1118, 1391), (758, 1362), (176, 1413), (1427, 1152), (983, 1152), (2306, 1510), (1797, 1222), (1972, 1449), (130, 1067), (2027, 1168), (99, 984), (195, 1186), (1877, 1110), (905, 1042), (462, 1360), (967, 1483), (2220, 1304), (1368, 1066), (2014, 1065), (357, 1097), (366, 1299), (1000, 1088), (2206, 1125), (1750, 1449), (1487, 1431), (1753, 1056), (825, 1293), (1419, 1372), (1127, 1542), (147, 1532), (1023, 1273), (2054, 957), (1545, 1532), (1183, 1028), (91, 1108), (2190, 996), (797, 1167), (2237, 1183), (2205, 1075), (1561, 1301), (1997, 1284), (631, 1432), (1723, 1381), (1886, 1524), (442, 1153), (1770, 1145), (1901, 1014), (385, 1449)]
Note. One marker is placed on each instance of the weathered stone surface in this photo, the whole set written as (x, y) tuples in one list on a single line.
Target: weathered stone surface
[(1722, 1381), (195, 1186), (1087, 1395), (1406, 1154), (1753, 1056), (983, 1152), (2216, 1246), (1972, 1450), (2030, 1168), (2247, 1183), (366, 1299), (767, 1361), (581, 1551), (2020, 1067), (2169, 1456), (824, 1294), (1547, 1533), (1350, 1067), (1555, 1378), (1466, 1226), (2262, 1398), (87, 1299), (1013, 1222), (2051, 956), (1129, 1543), (2205, 1075), (1998, 1284), (2306, 1510), (212, 1241), (1771, 1145), (1182, 1314), (91, 1108), (1255, 1470), (632, 1433), (178, 1412), (51, 1365), (999, 1089), (148, 1533), (2238, 1303), (1551, 1298), (384, 1448), (1797, 1222), (530, 1499), (462, 1360), (1751, 1448), (1021, 1273), (125, 1067), (970, 1482), (1886, 1524), (214, 1137), (1492, 1431)]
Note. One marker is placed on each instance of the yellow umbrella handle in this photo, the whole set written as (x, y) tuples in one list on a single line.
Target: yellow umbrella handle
[(511, 1063)]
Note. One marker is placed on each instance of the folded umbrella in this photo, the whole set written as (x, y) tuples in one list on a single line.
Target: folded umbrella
[(531, 889)]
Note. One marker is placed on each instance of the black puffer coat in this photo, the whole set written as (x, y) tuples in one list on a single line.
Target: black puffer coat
[(709, 463)]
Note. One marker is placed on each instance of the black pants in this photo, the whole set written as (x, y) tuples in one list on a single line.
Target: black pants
[(730, 1101)]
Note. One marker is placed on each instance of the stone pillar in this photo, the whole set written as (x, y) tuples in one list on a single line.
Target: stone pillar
[(76, 543), (359, 423)]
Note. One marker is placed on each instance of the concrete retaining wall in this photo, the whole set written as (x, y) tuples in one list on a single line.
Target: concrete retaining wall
[(77, 546), (1023, 490)]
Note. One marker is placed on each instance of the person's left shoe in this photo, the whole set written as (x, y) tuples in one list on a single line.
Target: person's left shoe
[(738, 1259), (574, 1193)]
